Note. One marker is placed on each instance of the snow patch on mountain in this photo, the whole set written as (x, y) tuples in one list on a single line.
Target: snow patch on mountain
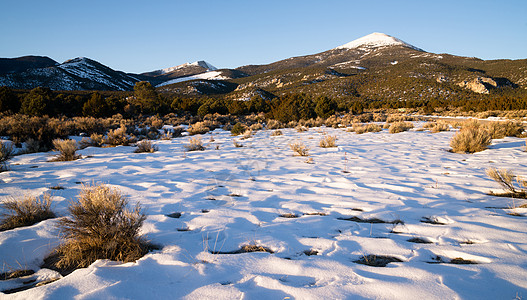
[(211, 75), (375, 40)]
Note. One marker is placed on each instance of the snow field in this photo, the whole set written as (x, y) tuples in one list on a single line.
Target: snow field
[(235, 196)]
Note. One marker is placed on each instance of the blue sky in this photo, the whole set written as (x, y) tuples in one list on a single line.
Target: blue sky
[(140, 36)]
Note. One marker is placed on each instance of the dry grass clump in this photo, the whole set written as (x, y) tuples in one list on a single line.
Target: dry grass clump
[(25, 211), (505, 178), (118, 137), (236, 144), (470, 139), (146, 146), (301, 128), (247, 134), (277, 132), (360, 129), (6, 152), (100, 227), (256, 127), (499, 130), (328, 141), (195, 144), (67, 149), (299, 148), (198, 128), (400, 126), (398, 118)]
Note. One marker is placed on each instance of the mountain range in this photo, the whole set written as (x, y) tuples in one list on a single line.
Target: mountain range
[(374, 66)]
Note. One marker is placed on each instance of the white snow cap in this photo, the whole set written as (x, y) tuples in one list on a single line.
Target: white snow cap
[(375, 40), (200, 63)]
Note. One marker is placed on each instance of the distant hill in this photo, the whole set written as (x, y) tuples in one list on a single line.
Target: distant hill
[(21, 64)]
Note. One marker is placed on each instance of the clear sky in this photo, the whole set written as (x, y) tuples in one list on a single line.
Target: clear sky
[(140, 36)]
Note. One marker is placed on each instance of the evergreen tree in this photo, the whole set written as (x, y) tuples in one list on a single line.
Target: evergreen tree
[(94, 107), (325, 107), (36, 102), (8, 100), (146, 97)]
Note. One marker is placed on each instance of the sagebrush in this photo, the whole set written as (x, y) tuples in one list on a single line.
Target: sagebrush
[(25, 211)]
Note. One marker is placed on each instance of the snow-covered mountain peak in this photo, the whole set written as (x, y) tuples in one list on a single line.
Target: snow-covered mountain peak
[(375, 40), (200, 63)]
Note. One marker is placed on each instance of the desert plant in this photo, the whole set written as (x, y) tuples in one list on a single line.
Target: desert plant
[(25, 211), (6, 152), (238, 129), (301, 128), (167, 135), (505, 178), (198, 128), (499, 130), (299, 148), (95, 140), (101, 226), (236, 144), (146, 146), (400, 126), (470, 139), (118, 137), (367, 128), (328, 141), (273, 124), (195, 144), (277, 132), (67, 149), (247, 134)]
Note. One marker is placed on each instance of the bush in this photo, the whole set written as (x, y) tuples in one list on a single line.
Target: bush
[(145, 146), (437, 127), (25, 211), (95, 140), (277, 132), (6, 152), (195, 144), (238, 129), (67, 150), (470, 139), (400, 126), (100, 227), (198, 128), (499, 130), (367, 128), (273, 124), (328, 141), (505, 178), (118, 137), (299, 148)]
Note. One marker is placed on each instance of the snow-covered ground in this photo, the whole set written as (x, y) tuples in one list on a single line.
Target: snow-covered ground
[(233, 196)]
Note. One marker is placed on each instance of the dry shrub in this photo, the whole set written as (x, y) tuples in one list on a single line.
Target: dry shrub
[(470, 139), (33, 146), (360, 129), (274, 124), (95, 140), (300, 128), (247, 134), (238, 129), (167, 135), (256, 127), (505, 178), (437, 126), (328, 141), (236, 144), (198, 128), (195, 144), (6, 152), (25, 211), (398, 118), (118, 137), (299, 148), (146, 146), (277, 132), (400, 126), (67, 149), (499, 130), (100, 227)]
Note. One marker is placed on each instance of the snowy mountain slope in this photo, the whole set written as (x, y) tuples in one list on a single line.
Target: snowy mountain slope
[(200, 63), (75, 74), (211, 75)]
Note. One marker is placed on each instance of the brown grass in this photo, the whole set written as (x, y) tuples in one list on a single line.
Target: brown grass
[(100, 227), (499, 130), (25, 211), (118, 137), (67, 149), (95, 140), (360, 129), (198, 128), (277, 132), (505, 178), (470, 139)]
